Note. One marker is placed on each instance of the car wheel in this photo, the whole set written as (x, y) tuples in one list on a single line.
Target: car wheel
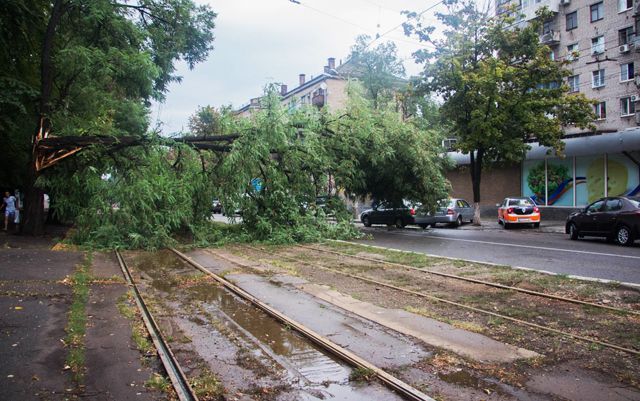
[(573, 232), (365, 221), (623, 236), (399, 223), (536, 225), (459, 221), (423, 226)]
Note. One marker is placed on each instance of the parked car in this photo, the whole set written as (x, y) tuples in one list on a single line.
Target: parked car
[(518, 211), (615, 218), (448, 211), (216, 206), (385, 213)]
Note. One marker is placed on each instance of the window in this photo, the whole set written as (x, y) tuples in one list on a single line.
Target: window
[(612, 205), (595, 206), (597, 78), (572, 20), (601, 110), (625, 36), (597, 45), (546, 27), (597, 12), (449, 144), (624, 5), (626, 72), (627, 106), (574, 83), (572, 52)]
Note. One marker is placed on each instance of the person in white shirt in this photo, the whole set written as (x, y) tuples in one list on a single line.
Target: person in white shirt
[(9, 206)]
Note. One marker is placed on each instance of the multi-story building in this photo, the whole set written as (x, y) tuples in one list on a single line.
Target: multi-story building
[(327, 89), (599, 39)]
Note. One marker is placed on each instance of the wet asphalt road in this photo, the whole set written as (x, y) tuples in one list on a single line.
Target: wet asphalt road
[(554, 252)]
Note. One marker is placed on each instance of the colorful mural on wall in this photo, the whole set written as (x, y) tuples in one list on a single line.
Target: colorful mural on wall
[(623, 178)]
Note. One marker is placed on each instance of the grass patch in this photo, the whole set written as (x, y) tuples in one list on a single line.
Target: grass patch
[(207, 386), (362, 375), (77, 323), (139, 333), (159, 382)]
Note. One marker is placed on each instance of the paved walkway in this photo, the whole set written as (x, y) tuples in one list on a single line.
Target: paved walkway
[(35, 300)]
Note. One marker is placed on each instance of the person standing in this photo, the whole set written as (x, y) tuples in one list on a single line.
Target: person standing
[(9, 209)]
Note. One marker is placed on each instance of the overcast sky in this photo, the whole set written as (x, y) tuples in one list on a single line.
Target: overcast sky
[(262, 41)]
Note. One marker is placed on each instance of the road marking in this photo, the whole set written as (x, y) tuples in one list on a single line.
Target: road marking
[(521, 246), (531, 269)]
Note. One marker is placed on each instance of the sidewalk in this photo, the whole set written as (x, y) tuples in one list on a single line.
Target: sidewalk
[(35, 301)]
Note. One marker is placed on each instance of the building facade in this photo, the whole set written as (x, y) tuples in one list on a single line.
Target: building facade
[(599, 40), (325, 90)]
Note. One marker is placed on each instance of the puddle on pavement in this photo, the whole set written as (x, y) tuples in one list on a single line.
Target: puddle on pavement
[(460, 378), (323, 377)]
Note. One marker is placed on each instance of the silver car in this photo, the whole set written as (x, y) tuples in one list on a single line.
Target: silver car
[(449, 211)]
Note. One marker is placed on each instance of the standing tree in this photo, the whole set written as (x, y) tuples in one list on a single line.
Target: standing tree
[(87, 68), (379, 69), (500, 87)]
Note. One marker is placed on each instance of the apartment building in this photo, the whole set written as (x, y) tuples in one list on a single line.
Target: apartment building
[(328, 89), (599, 39)]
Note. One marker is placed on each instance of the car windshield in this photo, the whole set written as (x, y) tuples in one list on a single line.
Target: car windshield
[(520, 202)]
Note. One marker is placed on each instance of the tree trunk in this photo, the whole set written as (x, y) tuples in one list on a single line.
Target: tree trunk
[(476, 175), (34, 197)]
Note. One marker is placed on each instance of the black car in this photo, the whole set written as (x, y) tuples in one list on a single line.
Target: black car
[(615, 218), (384, 213)]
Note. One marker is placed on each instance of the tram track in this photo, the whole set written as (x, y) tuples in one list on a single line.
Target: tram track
[(178, 379), (423, 295), (476, 281), (403, 389)]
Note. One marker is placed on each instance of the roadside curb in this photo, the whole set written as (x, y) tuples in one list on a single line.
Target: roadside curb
[(555, 227), (582, 278)]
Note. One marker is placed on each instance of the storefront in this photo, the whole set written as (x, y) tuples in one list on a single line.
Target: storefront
[(593, 167)]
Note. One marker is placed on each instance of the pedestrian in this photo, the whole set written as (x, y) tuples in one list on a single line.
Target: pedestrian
[(9, 206)]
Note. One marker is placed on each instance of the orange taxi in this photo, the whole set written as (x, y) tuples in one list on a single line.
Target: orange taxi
[(518, 211)]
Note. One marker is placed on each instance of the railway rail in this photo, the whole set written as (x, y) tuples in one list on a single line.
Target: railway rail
[(405, 390), (476, 281), (178, 379), (453, 303)]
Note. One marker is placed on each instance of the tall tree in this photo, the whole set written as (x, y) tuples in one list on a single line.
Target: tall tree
[(499, 85), (379, 69), (92, 67)]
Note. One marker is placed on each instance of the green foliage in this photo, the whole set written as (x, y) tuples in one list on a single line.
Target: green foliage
[(378, 69), (287, 152), (106, 61), (205, 121), (143, 200), (380, 155), (555, 174), (499, 85)]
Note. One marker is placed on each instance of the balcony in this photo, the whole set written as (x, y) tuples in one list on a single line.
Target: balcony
[(318, 99), (550, 38), (635, 42)]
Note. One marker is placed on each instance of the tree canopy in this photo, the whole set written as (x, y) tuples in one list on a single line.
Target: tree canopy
[(499, 84), (88, 67)]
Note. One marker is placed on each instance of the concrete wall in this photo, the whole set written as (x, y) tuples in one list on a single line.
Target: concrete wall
[(497, 182)]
